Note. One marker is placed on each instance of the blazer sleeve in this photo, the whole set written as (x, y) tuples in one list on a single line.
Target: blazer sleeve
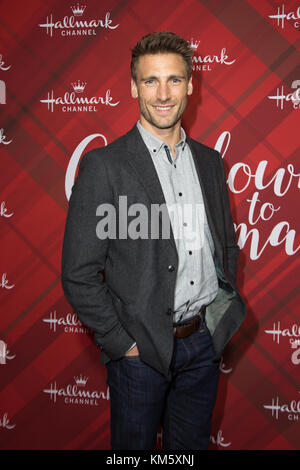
[(231, 246), (84, 255)]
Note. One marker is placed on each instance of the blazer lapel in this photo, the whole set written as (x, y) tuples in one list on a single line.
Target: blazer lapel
[(201, 171), (142, 164)]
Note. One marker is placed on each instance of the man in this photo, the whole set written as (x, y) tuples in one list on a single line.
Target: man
[(162, 307)]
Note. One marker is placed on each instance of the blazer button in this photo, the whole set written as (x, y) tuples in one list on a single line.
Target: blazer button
[(171, 268), (169, 311)]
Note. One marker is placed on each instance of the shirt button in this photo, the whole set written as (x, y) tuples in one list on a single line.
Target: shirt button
[(184, 224), (171, 268)]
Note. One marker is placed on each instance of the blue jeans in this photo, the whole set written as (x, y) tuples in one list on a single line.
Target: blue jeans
[(141, 398)]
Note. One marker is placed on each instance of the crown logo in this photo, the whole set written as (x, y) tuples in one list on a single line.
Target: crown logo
[(78, 9), (194, 44), (81, 381), (78, 86)]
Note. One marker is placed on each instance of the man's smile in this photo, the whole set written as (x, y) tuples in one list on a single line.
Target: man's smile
[(163, 109)]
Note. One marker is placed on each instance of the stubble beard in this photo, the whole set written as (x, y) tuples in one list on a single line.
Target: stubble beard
[(163, 123)]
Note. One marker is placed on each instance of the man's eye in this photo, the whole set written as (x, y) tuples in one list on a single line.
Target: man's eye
[(149, 82), (176, 80)]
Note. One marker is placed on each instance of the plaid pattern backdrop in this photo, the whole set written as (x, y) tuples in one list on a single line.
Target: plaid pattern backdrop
[(53, 393)]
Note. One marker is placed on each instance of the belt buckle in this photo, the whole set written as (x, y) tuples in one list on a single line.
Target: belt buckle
[(186, 330), (199, 316)]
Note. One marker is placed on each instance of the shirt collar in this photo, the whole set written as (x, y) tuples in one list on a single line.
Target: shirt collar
[(154, 144)]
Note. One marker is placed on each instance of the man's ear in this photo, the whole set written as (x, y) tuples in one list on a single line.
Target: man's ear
[(190, 86), (134, 91)]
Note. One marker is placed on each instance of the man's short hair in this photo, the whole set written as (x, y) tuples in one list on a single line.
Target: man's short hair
[(162, 42)]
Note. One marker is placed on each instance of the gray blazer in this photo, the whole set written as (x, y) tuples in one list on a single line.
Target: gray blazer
[(123, 289)]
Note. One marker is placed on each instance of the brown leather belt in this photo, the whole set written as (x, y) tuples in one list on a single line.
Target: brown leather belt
[(182, 331)]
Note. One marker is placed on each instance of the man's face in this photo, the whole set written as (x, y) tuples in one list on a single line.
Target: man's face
[(162, 87)]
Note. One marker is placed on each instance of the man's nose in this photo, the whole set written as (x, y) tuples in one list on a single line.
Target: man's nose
[(163, 92)]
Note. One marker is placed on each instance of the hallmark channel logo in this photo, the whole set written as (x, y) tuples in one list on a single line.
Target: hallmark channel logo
[(291, 410), (76, 25), (219, 440), (3, 66), (5, 353), (5, 422), (293, 334), (282, 97), (4, 282), (205, 63), (292, 16), (70, 323), (4, 213), (3, 138), (76, 393), (76, 102)]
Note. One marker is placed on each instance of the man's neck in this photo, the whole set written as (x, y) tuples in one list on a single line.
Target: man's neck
[(170, 135)]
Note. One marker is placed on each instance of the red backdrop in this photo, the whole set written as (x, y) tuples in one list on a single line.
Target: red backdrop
[(53, 392)]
